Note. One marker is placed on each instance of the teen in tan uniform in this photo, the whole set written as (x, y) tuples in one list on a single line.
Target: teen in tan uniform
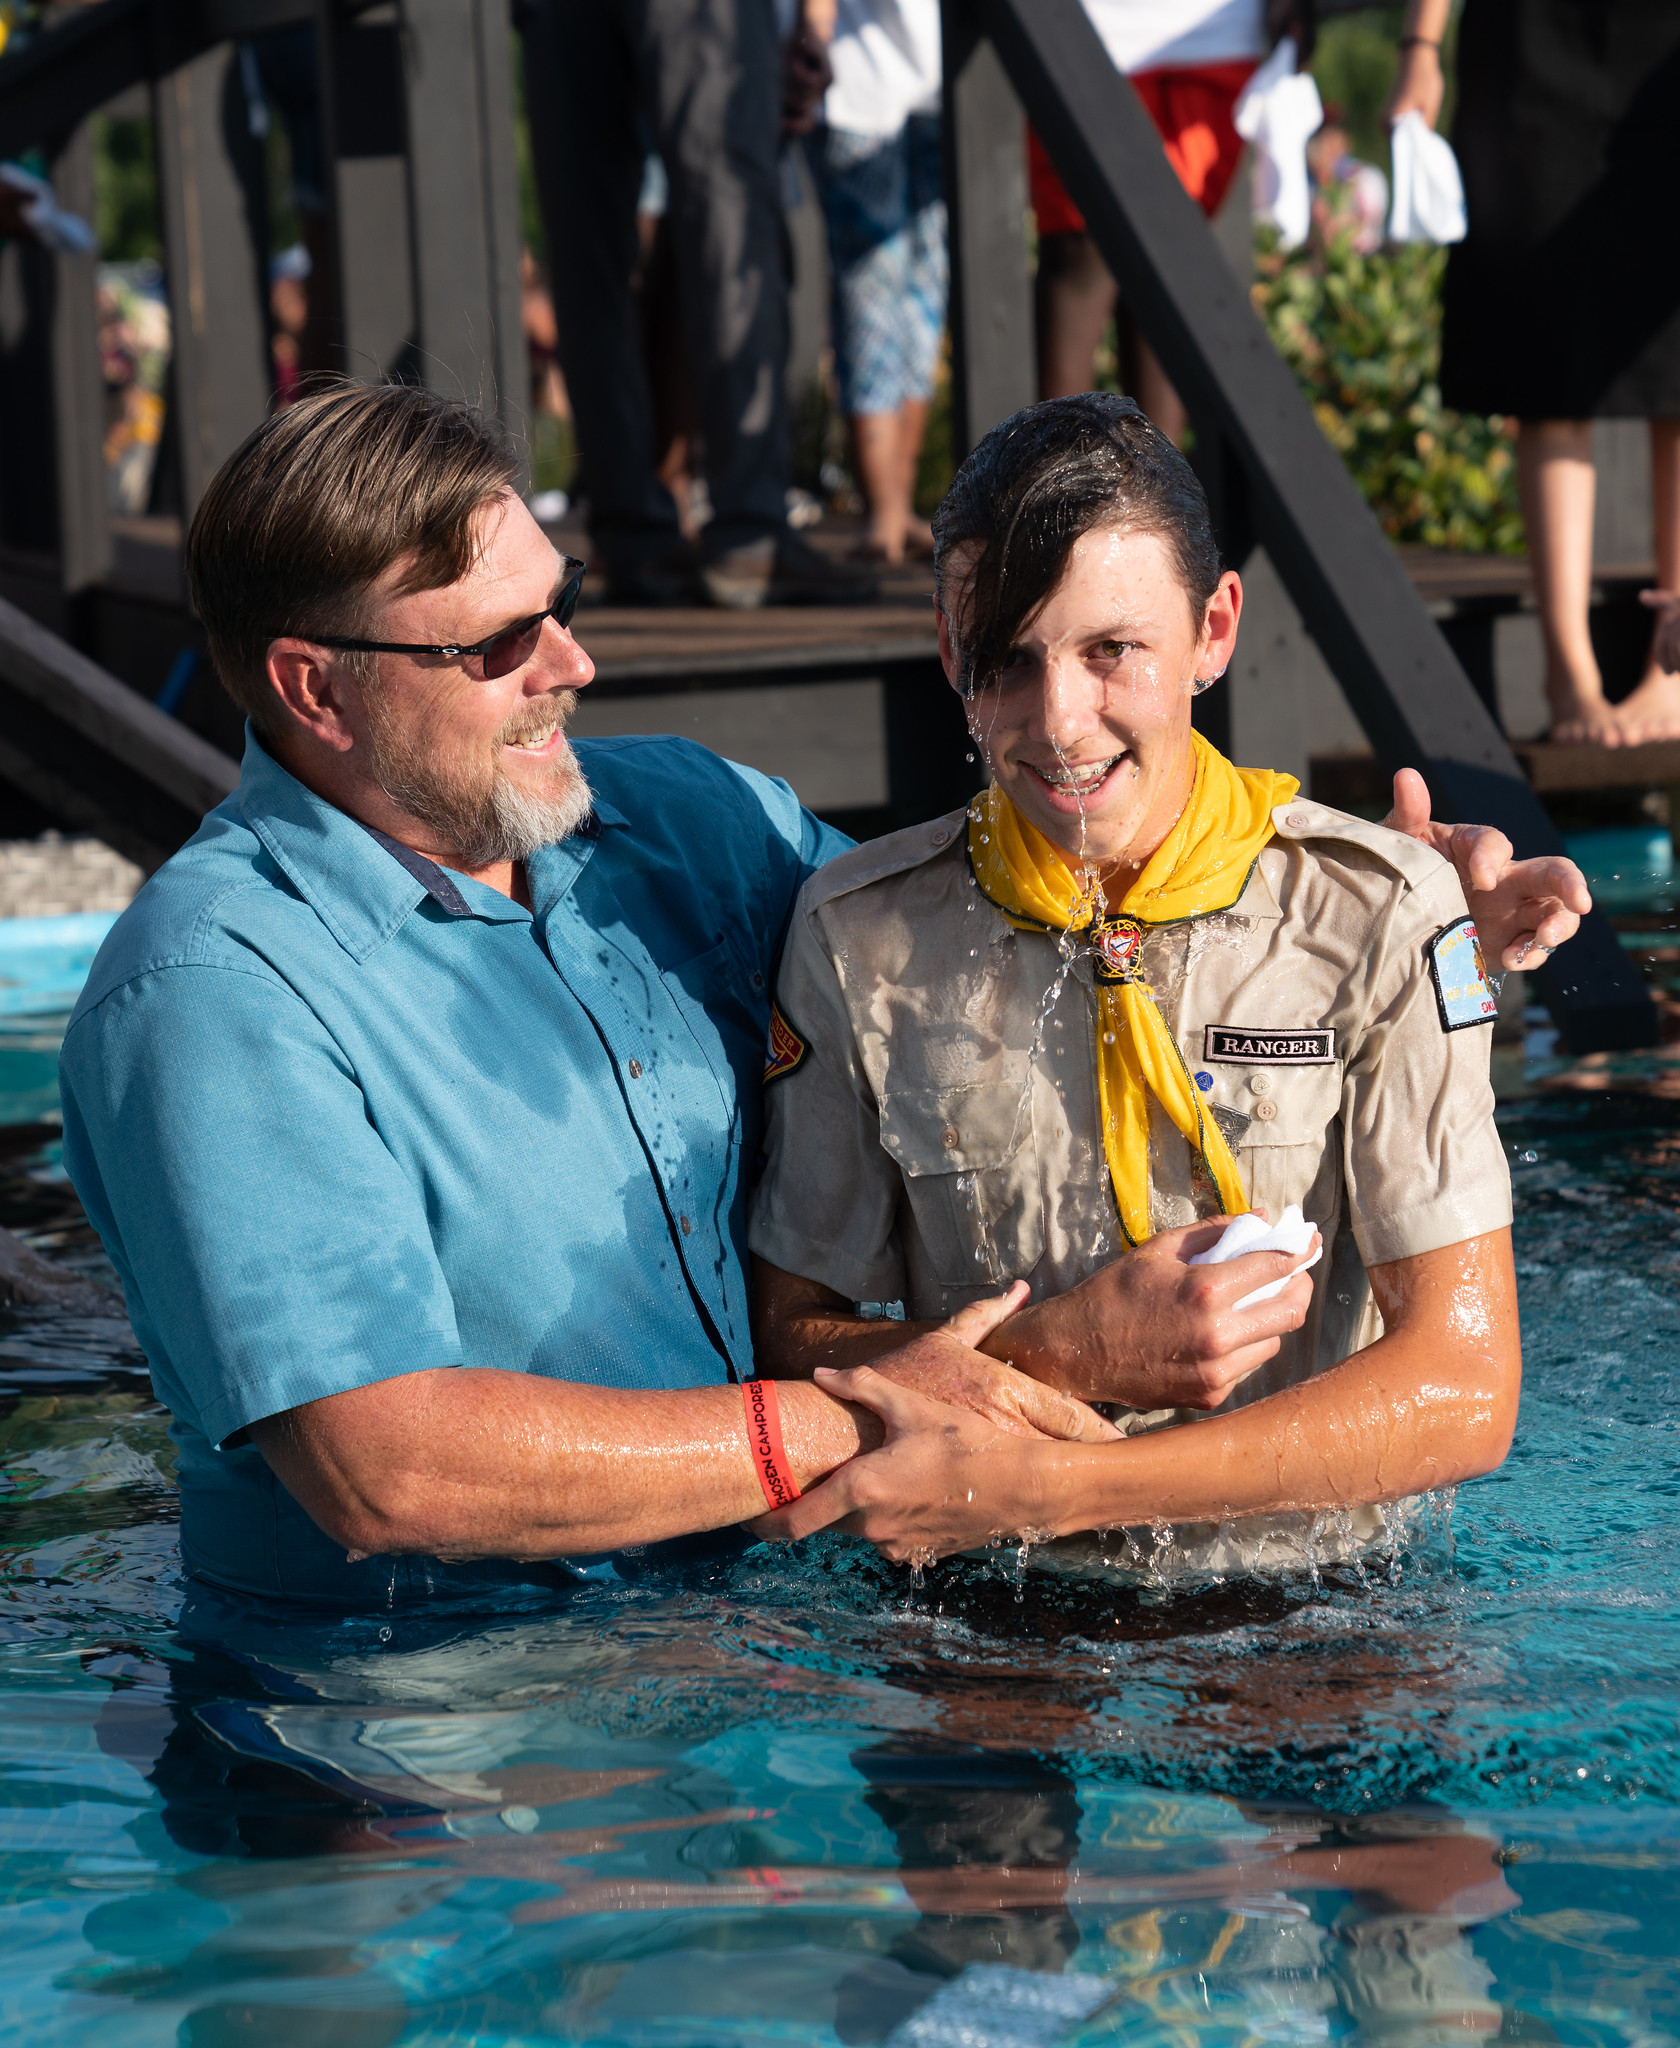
[(1131, 988)]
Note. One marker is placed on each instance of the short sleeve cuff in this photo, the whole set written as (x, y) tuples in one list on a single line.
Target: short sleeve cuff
[(236, 1403), (828, 1264), (1450, 1218)]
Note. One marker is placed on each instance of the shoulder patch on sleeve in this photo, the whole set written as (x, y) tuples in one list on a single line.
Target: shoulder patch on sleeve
[(786, 1049), (1463, 993)]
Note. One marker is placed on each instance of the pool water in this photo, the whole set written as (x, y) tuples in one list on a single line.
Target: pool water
[(787, 1798), (43, 963)]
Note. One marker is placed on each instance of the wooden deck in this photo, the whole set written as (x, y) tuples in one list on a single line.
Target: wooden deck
[(634, 648), (808, 691)]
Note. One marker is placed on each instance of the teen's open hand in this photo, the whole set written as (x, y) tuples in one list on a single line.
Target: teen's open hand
[(1524, 909)]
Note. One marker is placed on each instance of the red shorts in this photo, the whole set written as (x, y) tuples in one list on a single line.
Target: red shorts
[(1192, 110)]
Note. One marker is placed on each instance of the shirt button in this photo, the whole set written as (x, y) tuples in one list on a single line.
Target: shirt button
[(1265, 1110), (1297, 821), (686, 1225), (941, 836), (1260, 1083), (635, 1070), (949, 1138)]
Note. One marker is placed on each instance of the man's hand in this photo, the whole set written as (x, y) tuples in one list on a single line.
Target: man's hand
[(943, 1365), (1154, 1332), (943, 1480), (1524, 909)]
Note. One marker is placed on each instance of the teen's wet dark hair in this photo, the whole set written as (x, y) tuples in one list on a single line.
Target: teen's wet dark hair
[(1037, 482)]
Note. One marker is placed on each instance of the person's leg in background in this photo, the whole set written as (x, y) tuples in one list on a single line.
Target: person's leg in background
[(1556, 482), (713, 70), (863, 183), (1076, 295), (1652, 711), (884, 208), (1073, 301), (581, 91), (926, 304)]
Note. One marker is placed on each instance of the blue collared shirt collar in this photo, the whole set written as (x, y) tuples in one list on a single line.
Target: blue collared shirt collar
[(364, 885)]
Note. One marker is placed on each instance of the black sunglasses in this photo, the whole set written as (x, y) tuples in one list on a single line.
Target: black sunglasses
[(503, 652)]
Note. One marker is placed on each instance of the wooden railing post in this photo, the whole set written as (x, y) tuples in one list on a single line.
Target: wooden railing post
[(993, 366), (78, 389), (459, 80), (212, 194)]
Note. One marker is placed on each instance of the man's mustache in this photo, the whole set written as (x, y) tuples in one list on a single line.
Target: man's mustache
[(537, 718)]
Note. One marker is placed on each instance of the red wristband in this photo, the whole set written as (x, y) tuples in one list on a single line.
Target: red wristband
[(764, 1439)]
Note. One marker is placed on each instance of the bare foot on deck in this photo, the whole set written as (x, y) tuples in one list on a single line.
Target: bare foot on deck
[(1652, 712), (1583, 720)]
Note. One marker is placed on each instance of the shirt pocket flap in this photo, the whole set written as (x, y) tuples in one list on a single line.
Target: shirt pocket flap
[(956, 1130), (1304, 1102)]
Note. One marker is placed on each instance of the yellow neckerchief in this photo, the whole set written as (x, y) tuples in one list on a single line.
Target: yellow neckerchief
[(1201, 866)]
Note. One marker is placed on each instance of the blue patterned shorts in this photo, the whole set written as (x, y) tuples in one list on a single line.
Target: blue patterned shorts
[(883, 199)]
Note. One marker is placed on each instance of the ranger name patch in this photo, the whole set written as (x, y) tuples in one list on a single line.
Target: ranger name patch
[(1237, 1047), (1463, 993), (787, 1048)]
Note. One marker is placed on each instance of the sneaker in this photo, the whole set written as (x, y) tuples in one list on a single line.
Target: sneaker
[(783, 568), (673, 578)]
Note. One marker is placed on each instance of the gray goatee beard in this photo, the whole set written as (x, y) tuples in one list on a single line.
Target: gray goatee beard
[(486, 818)]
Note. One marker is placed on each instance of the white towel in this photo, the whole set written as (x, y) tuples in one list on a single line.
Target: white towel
[(1428, 191), (992, 2005), (1291, 1233), (1279, 112)]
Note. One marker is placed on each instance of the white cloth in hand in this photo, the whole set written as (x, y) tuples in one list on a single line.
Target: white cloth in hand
[(1279, 112), (1291, 1233), (1428, 191)]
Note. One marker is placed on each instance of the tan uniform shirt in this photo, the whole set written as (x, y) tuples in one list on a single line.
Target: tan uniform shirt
[(938, 1133)]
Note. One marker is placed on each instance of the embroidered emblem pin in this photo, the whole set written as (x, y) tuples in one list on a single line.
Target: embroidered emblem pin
[(1235, 1046), (1119, 949), (786, 1049), (1463, 993)]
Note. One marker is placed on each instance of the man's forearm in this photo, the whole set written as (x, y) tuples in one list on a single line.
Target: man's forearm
[(478, 1463)]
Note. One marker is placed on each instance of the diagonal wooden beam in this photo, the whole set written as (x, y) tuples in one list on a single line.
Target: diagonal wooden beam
[(95, 752)]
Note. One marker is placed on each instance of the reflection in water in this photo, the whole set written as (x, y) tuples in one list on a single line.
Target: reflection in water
[(760, 1798)]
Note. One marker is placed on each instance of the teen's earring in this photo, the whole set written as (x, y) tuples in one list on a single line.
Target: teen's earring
[(1202, 683)]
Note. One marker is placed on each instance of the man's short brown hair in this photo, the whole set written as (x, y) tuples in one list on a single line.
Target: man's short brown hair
[(319, 503)]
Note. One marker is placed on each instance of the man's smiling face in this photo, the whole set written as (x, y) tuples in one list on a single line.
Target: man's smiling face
[(1087, 726), (482, 762)]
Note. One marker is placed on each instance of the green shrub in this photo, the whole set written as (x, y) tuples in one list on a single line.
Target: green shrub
[(1363, 334)]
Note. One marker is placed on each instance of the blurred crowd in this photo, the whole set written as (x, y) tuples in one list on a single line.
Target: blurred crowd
[(669, 139)]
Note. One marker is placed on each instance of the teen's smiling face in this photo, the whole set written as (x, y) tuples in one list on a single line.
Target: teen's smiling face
[(1087, 726)]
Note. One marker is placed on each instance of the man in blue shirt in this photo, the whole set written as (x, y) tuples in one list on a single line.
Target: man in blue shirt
[(415, 1099)]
